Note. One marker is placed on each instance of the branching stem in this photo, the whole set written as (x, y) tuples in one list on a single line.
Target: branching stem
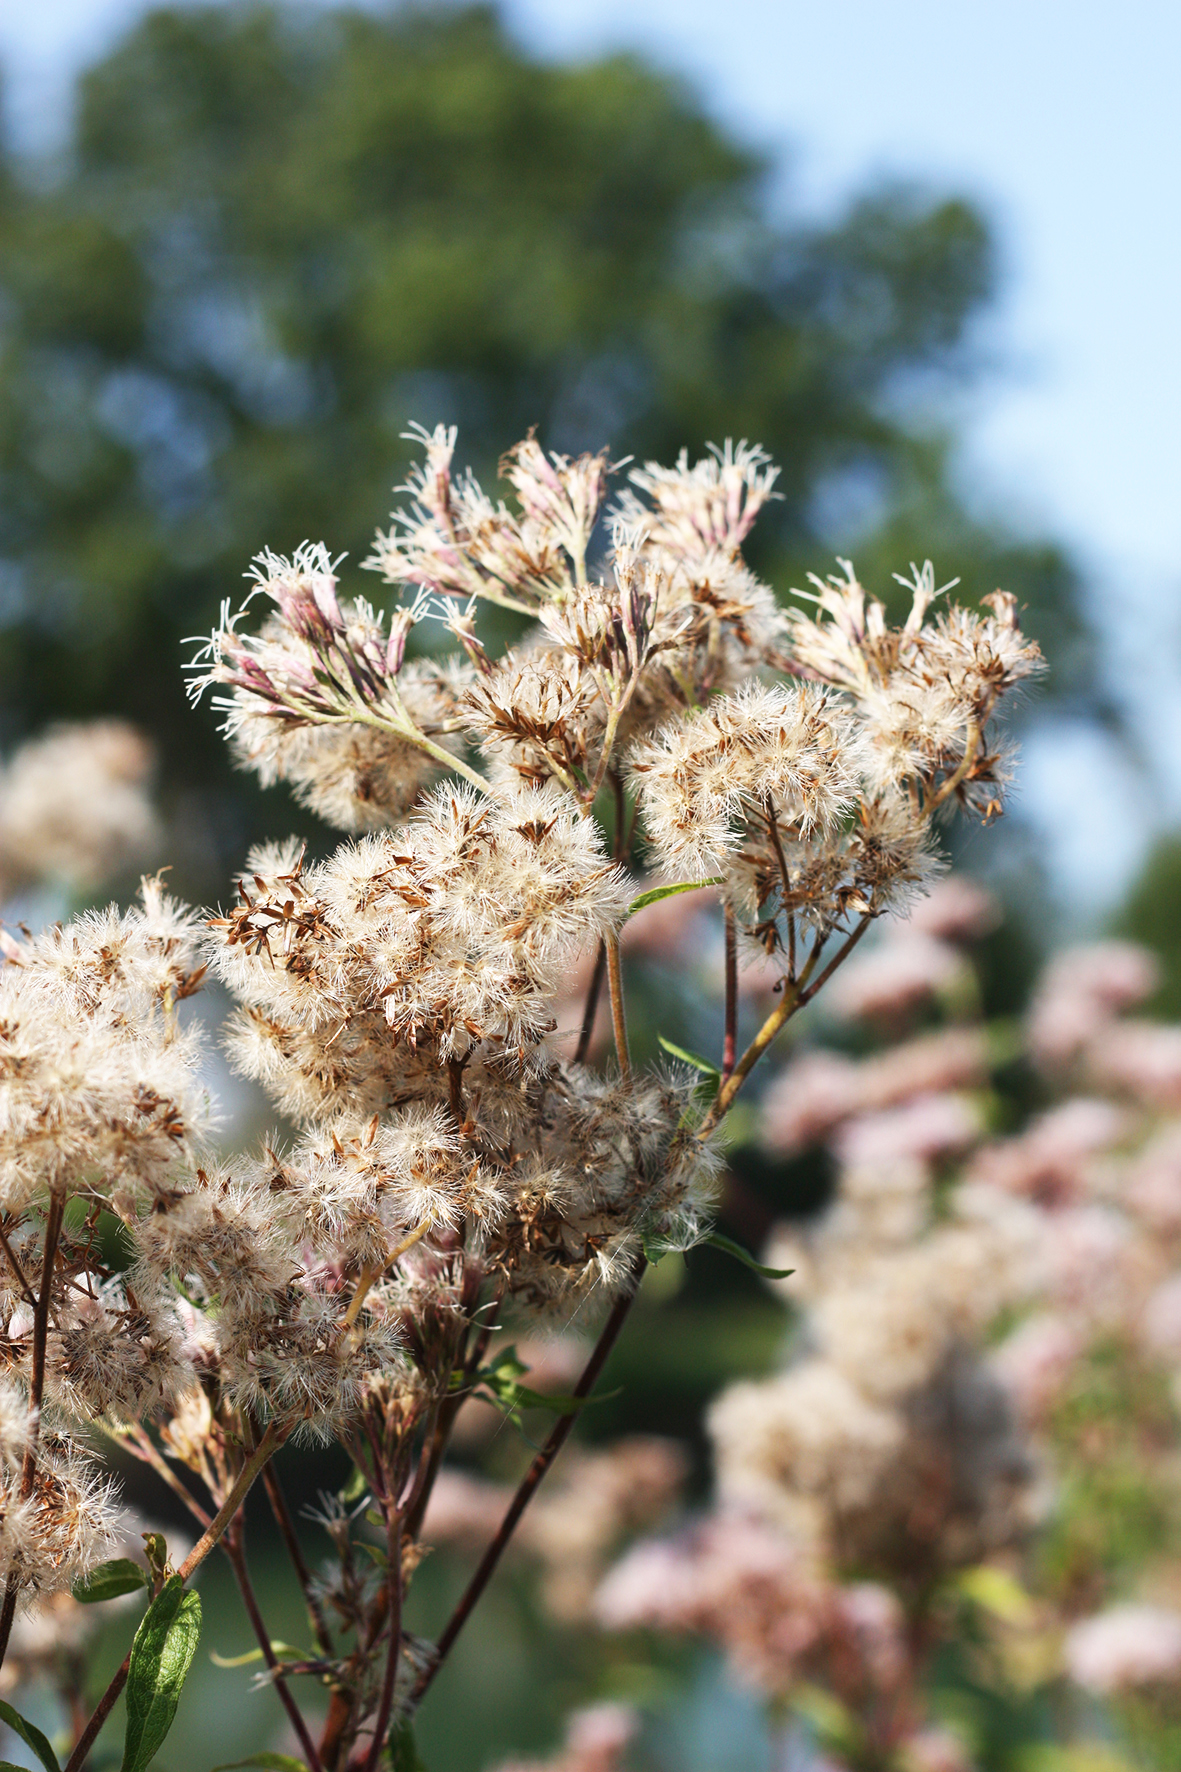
[(53, 1225), (730, 1039), (278, 1501), (235, 1549), (528, 1487)]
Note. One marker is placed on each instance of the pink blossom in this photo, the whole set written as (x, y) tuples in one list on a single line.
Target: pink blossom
[(1124, 1647), (927, 1127), (596, 1738), (904, 972), (956, 909), (1143, 1057), (1035, 1361), (874, 1618), (1153, 1186), (1081, 991), (1047, 1162), (464, 1509), (820, 1089), (1161, 1321), (1085, 1249), (809, 1098), (935, 1750)]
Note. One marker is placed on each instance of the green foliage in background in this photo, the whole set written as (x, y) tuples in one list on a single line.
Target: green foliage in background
[(279, 237)]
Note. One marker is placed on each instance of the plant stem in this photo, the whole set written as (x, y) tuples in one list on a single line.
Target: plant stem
[(586, 1034), (286, 1525), (618, 1014), (528, 1487), (53, 1225), (381, 1721), (99, 1715), (135, 1438), (794, 997), (730, 1041), (235, 1549), (971, 746), (26, 1290), (266, 1448), (420, 1495), (838, 959), (369, 1275)]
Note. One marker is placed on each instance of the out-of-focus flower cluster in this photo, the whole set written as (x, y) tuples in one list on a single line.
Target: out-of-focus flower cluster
[(74, 807), (975, 1429)]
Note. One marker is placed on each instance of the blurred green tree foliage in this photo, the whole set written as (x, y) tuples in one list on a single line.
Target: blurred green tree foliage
[(1151, 913), (281, 236)]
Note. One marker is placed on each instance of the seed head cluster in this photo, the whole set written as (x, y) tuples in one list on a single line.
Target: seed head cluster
[(450, 1155)]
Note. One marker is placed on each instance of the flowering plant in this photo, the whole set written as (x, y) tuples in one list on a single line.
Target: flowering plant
[(455, 1156)]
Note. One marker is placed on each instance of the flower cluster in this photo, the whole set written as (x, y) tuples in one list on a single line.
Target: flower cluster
[(74, 807), (452, 1156)]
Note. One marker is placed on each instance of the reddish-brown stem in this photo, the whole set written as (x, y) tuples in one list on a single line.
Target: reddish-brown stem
[(730, 1039), (595, 991), (234, 1546), (136, 1440), (278, 1501), (618, 1012), (98, 1717), (528, 1487), (841, 955), (53, 1225), (420, 1494), (340, 1711), (381, 1721), (795, 995)]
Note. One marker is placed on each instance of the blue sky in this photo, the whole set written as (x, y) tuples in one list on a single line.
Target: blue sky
[(1063, 120)]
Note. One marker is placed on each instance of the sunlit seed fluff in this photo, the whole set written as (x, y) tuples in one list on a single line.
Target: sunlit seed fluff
[(702, 514), (116, 1353), (60, 1531), (299, 1365), (701, 779), (360, 1191), (96, 1075)]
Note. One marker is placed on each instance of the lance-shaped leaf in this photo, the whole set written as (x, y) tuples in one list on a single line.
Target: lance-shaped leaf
[(30, 1735), (161, 1656), (729, 1247), (120, 1576), (658, 892)]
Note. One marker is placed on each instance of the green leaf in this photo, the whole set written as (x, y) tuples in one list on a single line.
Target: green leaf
[(659, 892), (161, 1656), (281, 1651), (699, 1064), (30, 1735), (402, 1748), (995, 1590), (501, 1380), (120, 1576), (357, 1485), (727, 1244), (268, 1761)]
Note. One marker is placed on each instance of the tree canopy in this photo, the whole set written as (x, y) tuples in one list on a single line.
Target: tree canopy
[(282, 236)]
